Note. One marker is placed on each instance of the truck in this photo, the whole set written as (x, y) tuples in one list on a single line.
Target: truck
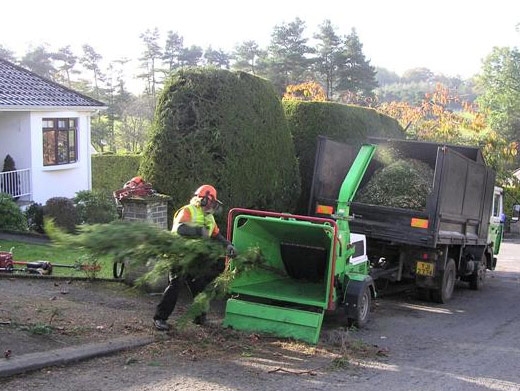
[(332, 259), (456, 236)]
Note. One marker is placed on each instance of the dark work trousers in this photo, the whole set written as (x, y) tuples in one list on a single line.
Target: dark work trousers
[(171, 293)]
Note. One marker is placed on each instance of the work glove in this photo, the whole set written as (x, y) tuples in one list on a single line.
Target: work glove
[(231, 252), (204, 232)]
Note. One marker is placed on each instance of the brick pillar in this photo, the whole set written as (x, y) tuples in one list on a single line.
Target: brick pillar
[(152, 209)]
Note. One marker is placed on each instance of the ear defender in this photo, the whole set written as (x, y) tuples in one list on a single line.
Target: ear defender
[(205, 200)]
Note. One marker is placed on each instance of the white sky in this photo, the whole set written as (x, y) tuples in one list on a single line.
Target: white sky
[(446, 36)]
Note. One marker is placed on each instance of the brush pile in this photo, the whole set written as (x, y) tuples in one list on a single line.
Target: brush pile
[(405, 183)]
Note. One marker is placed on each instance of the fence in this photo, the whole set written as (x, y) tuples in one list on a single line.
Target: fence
[(16, 183)]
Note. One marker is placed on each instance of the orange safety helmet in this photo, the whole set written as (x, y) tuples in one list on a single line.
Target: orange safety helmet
[(207, 193)]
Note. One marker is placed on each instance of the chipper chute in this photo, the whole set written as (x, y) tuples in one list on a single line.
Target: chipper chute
[(310, 266), (287, 297)]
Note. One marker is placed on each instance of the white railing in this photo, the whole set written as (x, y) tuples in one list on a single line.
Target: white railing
[(16, 183)]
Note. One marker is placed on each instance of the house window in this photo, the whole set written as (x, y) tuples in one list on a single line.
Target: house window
[(60, 141)]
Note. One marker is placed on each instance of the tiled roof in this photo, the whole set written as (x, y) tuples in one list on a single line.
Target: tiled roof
[(22, 88)]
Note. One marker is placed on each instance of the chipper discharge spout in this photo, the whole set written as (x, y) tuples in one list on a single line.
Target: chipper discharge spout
[(305, 270)]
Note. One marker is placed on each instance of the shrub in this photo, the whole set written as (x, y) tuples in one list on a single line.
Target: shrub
[(62, 211), (94, 207), (13, 218), (34, 216), (10, 181)]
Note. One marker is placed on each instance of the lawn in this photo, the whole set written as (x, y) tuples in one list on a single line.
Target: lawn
[(30, 252)]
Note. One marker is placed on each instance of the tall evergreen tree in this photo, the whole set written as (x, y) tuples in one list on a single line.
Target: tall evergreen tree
[(358, 77), (191, 57), (172, 51), (218, 58), (7, 54), (91, 61), (39, 61), (329, 55), (288, 55), (150, 61), (246, 56), (67, 62)]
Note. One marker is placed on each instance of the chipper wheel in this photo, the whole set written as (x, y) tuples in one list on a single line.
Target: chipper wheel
[(359, 314)]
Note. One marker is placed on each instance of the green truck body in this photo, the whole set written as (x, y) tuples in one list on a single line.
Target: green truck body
[(332, 259)]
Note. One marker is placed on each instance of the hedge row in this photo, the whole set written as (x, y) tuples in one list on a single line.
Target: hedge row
[(230, 129), (344, 123), (227, 129), (111, 172)]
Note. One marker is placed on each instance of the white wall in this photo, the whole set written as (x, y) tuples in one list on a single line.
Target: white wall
[(63, 180), (15, 138)]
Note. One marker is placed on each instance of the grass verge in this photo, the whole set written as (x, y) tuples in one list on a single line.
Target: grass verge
[(84, 266)]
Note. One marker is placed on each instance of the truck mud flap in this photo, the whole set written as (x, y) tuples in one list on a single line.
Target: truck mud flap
[(280, 321)]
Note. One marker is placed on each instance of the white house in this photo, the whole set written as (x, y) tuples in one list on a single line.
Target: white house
[(516, 173), (45, 128)]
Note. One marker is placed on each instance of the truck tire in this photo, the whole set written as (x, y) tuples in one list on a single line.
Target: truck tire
[(445, 292), (362, 313), (476, 280)]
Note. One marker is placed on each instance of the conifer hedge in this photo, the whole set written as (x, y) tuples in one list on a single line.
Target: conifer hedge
[(222, 128), (344, 123), (111, 172)]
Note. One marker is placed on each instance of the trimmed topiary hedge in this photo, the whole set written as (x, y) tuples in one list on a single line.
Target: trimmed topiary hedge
[(227, 129), (344, 123), (111, 172)]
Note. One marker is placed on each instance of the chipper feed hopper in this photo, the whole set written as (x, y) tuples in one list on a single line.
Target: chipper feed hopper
[(310, 266)]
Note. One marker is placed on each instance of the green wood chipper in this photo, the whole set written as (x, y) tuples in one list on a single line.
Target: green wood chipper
[(311, 266)]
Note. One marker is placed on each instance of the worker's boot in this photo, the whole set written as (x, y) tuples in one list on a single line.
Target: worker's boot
[(161, 325)]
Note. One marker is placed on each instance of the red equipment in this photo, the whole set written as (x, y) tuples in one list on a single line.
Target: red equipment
[(7, 264)]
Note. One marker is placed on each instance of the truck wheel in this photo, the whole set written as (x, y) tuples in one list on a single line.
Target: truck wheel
[(476, 280), (362, 309), (443, 295)]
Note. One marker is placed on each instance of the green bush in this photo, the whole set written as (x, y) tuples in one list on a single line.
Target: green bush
[(343, 123), (34, 216), (63, 212), (95, 207), (227, 129), (111, 172), (10, 182), (12, 218)]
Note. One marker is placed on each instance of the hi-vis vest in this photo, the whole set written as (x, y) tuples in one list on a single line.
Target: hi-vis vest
[(198, 219)]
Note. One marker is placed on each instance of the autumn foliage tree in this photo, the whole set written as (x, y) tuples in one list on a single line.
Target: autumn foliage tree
[(309, 91), (435, 119)]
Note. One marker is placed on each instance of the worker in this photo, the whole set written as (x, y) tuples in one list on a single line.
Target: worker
[(194, 220)]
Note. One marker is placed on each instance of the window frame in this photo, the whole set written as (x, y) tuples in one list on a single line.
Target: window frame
[(59, 141)]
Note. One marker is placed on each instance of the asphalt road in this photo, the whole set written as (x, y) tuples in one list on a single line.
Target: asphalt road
[(470, 344)]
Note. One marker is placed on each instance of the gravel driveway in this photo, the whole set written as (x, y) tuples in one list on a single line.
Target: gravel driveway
[(472, 343)]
